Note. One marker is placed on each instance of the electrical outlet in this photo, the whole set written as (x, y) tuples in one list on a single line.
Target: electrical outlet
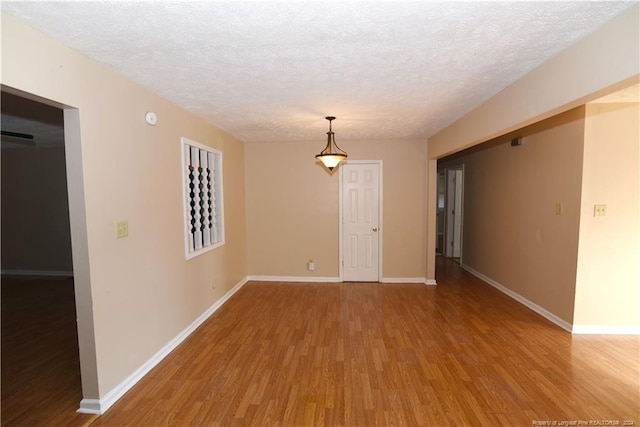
[(122, 229), (600, 210), (214, 286)]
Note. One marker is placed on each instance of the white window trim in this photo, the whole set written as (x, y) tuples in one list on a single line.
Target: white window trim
[(190, 248)]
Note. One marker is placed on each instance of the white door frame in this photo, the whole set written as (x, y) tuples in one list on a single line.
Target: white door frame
[(340, 210), (79, 248)]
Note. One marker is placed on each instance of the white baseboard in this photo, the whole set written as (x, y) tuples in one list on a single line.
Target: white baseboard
[(403, 280), (100, 406), (90, 406), (38, 273), (605, 330), (306, 279), (318, 279), (522, 300), (430, 282)]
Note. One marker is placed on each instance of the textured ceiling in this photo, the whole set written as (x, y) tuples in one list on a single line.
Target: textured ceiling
[(271, 71)]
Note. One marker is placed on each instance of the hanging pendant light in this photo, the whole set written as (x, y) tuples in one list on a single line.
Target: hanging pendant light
[(332, 154)]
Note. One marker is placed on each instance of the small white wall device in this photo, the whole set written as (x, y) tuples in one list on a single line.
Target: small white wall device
[(151, 118)]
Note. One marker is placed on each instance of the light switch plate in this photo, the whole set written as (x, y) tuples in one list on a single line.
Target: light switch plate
[(122, 229), (559, 208)]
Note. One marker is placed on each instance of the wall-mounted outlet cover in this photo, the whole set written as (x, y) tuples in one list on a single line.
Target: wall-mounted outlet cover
[(600, 210)]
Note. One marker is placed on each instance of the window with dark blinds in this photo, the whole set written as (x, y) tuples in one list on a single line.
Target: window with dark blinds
[(203, 210)]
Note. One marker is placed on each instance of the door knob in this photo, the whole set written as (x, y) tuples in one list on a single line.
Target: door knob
[(375, 229)]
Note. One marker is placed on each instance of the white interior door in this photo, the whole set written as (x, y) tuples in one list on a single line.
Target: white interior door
[(455, 184), (361, 233), (457, 221)]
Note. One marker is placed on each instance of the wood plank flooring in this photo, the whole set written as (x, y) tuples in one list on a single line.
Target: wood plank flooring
[(40, 364), (364, 354)]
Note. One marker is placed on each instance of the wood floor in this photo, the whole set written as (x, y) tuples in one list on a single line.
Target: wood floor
[(364, 354), (40, 363)]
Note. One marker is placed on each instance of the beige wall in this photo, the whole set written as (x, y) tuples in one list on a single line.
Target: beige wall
[(292, 207), (608, 282), (138, 292), (606, 60), (35, 211), (511, 232), (581, 268)]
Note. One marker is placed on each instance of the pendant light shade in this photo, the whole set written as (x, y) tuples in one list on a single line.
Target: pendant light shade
[(332, 154)]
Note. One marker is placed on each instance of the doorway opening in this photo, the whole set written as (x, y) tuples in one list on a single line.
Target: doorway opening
[(450, 212), (40, 352), (440, 213)]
